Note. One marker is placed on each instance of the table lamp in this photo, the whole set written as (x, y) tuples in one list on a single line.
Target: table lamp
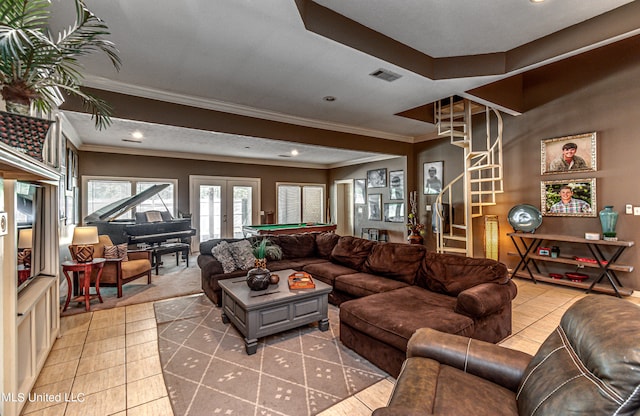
[(81, 247), (25, 242)]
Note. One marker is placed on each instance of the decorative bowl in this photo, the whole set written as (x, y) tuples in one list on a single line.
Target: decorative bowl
[(556, 275), (525, 217), (258, 278), (576, 277)]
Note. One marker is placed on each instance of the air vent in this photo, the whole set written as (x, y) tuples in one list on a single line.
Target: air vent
[(132, 140), (284, 155), (385, 74)]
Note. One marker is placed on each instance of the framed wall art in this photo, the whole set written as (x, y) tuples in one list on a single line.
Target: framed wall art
[(396, 185), (433, 175), (359, 191), (377, 178), (568, 154), (394, 212), (569, 198), (374, 201)]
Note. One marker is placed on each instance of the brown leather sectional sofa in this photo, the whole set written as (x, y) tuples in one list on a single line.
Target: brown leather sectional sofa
[(386, 291)]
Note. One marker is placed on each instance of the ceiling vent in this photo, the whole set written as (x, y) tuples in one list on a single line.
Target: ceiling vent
[(385, 74)]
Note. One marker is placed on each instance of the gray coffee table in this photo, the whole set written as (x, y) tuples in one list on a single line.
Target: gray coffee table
[(277, 310)]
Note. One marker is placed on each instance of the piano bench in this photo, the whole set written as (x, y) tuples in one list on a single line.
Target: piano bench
[(159, 251)]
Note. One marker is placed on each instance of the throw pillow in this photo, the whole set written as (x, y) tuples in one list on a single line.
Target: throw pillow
[(222, 253), (242, 253), (116, 252)]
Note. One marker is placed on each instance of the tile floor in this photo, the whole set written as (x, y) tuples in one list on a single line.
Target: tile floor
[(109, 359)]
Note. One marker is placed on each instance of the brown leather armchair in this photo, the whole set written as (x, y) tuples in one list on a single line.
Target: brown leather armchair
[(590, 365), (117, 272)]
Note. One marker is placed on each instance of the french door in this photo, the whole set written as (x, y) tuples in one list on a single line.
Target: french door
[(222, 205)]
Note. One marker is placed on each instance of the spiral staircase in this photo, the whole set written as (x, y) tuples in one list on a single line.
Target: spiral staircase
[(481, 180)]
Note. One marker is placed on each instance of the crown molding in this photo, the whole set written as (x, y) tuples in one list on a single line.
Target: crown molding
[(226, 159), (226, 107)]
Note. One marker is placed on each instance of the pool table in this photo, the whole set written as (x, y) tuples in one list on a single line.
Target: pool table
[(250, 230)]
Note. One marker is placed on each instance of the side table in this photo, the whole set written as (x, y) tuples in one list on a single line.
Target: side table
[(85, 269)]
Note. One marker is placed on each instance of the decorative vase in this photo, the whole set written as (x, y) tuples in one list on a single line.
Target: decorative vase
[(261, 263), (608, 220), (258, 278), (415, 237)]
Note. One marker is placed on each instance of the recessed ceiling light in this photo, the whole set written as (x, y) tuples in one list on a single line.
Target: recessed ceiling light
[(137, 135), (536, 1), (329, 98), (294, 152)]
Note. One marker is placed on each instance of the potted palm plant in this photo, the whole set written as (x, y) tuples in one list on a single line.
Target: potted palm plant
[(37, 66)]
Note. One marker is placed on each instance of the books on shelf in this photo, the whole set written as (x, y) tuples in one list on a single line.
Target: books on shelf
[(301, 280)]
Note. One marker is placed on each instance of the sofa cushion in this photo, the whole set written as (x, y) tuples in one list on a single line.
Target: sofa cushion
[(590, 363), (365, 284), (327, 271), (392, 317), (325, 242), (222, 253), (352, 252), (396, 261), (451, 274), (296, 246)]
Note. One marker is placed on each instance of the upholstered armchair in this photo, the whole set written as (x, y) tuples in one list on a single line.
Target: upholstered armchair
[(590, 365), (117, 271)]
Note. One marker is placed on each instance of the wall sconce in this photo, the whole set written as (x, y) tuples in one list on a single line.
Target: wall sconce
[(491, 236), (25, 243), (81, 247)]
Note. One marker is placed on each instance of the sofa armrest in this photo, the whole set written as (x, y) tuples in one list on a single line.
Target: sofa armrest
[(492, 362), (209, 265), (485, 299)]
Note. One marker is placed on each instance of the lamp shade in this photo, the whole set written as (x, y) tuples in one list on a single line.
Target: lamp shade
[(491, 236), (85, 236), (25, 238)]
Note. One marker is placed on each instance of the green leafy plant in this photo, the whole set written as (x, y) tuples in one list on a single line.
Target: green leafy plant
[(264, 249), (36, 66)]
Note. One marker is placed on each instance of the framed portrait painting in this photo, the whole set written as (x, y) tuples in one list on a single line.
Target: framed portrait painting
[(568, 154), (374, 201), (377, 178), (359, 191), (569, 198), (396, 185), (433, 175), (394, 212)]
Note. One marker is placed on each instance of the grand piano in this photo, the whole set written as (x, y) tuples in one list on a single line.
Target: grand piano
[(151, 227)]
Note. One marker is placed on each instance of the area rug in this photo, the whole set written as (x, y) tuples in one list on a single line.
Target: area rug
[(172, 281), (298, 372)]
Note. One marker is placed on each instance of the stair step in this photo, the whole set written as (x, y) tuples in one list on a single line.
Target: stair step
[(459, 226), (454, 133), (481, 180), (482, 192), (454, 250), (483, 167), (454, 237), (483, 204)]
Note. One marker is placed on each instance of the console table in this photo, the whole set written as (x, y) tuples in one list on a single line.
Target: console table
[(604, 253)]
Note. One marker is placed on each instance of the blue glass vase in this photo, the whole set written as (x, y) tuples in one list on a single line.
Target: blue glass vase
[(608, 220)]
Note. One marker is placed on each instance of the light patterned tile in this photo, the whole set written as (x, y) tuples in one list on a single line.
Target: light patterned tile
[(101, 403), (55, 410), (70, 340), (159, 407), (140, 351), (376, 395), (93, 363), (144, 368), (520, 343), (57, 372), (141, 337), (141, 325), (62, 355), (112, 331), (61, 387), (347, 407), (99, 347), (75, 323), (108, 378), (145, 390), (140, 312), (115, 315)]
